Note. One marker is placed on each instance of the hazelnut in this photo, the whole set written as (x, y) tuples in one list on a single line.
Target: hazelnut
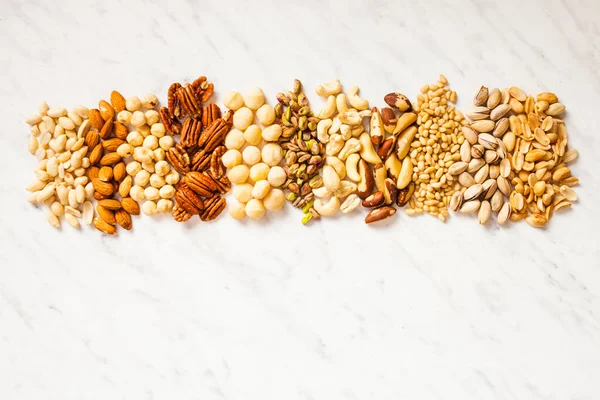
[(152, 117), (150, 142), (151, 193), (157, 129), (149, 208), (157, 181), (150, 101), (167, 192), (164, 206), (142, 178), (137, 193), (166, 142), (162, 168), (133, 168), (133, 104), (124, 117), (172, 177), (138, 119)]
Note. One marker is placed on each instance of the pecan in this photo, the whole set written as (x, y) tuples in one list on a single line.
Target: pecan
[(201, 183), (173, 101), (214, 134), (188, 200), (223, 183), (202, 88), (210, 113), (190, 105), (190, 132), (172, 125), (217, 168), (214, 206), (179, 214), (179, 159), (200, 161)]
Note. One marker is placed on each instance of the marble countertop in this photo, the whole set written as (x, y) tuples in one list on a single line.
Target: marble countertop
[(415, 309)]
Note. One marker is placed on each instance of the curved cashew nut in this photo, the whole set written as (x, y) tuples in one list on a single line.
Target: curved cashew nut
[(341, 102), (365, 113), (322, 192), (322, 128), (346, 188), (338, 165), (367, 152), (352, 146), (352, 167), (334, 145), (328, 109), (358, 130), (346, 131), (329, 88), (351, 118), (329, 208), (355, 101), (335, 127), (331, 179)]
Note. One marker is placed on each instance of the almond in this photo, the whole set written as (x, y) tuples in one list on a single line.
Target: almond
[(123, 219), (93, 172), (105, 214), (112, 144), (104, 188), (130, 205), (106, 110), (110, 159), (125, 186), (105, 174), (92, 139), (102, 226), (110, 204), (119, 171), (117, 100), (96, 154), (120, 130), (96, 119), (107, 129), (99, 196)]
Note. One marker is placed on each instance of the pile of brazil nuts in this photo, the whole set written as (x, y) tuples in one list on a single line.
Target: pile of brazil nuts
[(435, 148), (516, 148), (253, 156)]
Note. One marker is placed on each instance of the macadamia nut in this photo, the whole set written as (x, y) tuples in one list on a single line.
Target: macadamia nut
[(272, 154), (242, 118), (137, 193), (242, 192), (277, 176), (251, 155), (166, 142), (255, 209), (149, 208), (167, 192), (253, 135), (237, 210), (152, 117), (233, 101), (231, 158), (271, 133), (234, 139), (138, 118), (265, 115), (259, 172), (254, 98), (260, 190), (238, 174), (142, 178), (274, 200), (164, 206), (151, 193)]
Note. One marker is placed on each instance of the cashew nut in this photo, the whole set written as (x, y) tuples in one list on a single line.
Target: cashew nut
[(328, 109), (365, 113), (334, 145), (322, 128), (355, 101), (338, 165), (322, 192), (393, 166), (341, 102), (351, 118), (335, 127), (331, 179), (346, 188), (352, 167), (352, 146), (327, 89), (329, 208), (367, 152), (346, 131), (358, 130)]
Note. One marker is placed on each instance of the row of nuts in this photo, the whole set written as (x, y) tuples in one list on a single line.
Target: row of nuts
[(253, 156)]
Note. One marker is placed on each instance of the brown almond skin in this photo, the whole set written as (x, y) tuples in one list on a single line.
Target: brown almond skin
[(375, 200), (93, 172), (119, 171), (365, 186), (96, 154), (92, 138), (117, 100), (104, 188), (125, 186), (123, 219), (106, 110), (110, 159), (106, 215), (120, 130), (105, 174), (130, 205), (112, 144), (379, 214), (107, 129), (100, 196), (96, 119), (110, 204), (102, 226)]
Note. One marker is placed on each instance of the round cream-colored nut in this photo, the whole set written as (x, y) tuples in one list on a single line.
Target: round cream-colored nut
[(151, 193), (144, 130), (274, 200), (152, 117), (237, 210), (251, 155), (243, 118), (137, 193), (157, 181), (265, 115), (272, 154), (261, 189), (143, 154), (172, 177), (133, 104), (238, 174), (149, 208), (164, 206), (277, 176), (150, 142), (234, 139), (162, 168), (259, 172), (138, 118), (159, 154), (253, 135), (254, 98), (157, 129), (150, 101), (125, 150), (231, 158), (148, 166), (271, 133), (142, 178), (242, 192), (133, 168), (167, 192), (233, 101), (166, 142), (124, 117), (255, 209), (135, 138)]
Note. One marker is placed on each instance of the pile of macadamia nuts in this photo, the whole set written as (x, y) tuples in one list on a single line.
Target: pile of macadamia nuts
[(253, 156)]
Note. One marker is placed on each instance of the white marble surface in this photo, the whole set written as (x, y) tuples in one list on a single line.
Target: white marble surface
[(412, 310)]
